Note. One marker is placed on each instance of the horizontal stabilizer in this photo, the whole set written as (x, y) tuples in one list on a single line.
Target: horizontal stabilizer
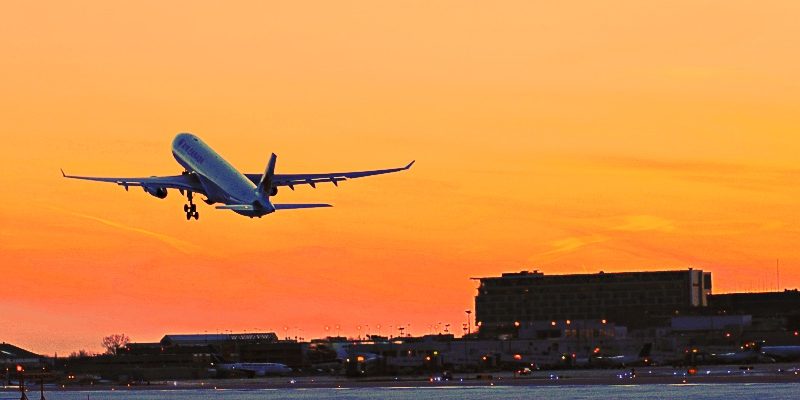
[(298, 206), (237, 207)]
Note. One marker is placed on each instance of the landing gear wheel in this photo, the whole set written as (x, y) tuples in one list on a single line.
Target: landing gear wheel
[(191, 208)]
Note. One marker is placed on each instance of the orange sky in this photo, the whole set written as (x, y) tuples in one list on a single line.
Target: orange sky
[(562, 136)]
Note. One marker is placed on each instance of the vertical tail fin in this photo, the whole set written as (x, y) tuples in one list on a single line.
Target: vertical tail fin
[(645, 352), (265, 184)]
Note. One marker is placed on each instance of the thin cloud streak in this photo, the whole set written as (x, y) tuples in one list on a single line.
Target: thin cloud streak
[(606, 236), (570, 244), (178, 244), (641, 223), (737, 176)]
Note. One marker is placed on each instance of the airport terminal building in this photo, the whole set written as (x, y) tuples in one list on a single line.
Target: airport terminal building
[(630, 299)]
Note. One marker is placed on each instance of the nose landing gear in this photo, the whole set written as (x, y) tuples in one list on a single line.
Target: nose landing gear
[(191, 208)]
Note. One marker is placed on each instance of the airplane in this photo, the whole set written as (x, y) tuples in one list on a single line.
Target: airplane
[(741, 357), (207, 173), (622, 360), (254, 369), (783, 353)]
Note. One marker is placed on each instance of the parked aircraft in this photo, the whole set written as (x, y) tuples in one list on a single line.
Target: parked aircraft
[(622, 360), (741, 357), (207, 173), (782, 353), (254, 369)]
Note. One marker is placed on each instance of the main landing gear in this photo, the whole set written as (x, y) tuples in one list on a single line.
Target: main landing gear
[(191, 208)]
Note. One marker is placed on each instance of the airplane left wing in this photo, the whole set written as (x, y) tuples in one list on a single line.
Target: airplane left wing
[(291, 180), (182, 182)]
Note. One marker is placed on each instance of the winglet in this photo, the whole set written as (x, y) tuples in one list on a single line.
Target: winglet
[(62, 172), (410, 164)]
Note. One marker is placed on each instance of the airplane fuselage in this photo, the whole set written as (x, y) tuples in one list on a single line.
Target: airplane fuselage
[(256, 369), (223, 183)]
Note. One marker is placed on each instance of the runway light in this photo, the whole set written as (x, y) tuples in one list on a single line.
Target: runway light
[(569, 322), (603, 321), (20, 368), (516, 323), (360, 358), (553, 323), (518, 357)]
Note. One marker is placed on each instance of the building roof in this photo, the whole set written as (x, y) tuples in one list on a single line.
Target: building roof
[(11, 352), (202, 338), (538, 276)]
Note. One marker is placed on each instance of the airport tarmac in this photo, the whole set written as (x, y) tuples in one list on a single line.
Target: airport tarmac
[(762, 373)]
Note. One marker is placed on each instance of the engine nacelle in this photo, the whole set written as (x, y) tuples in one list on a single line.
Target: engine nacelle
[(159, 192), (273, 191)]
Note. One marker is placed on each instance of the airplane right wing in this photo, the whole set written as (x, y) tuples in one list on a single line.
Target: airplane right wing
[(291, 180)]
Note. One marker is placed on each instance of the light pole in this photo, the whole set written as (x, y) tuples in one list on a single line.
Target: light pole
[(21, 371)]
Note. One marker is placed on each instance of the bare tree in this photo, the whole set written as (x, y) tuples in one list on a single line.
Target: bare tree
[(112, 343), (80, 354)]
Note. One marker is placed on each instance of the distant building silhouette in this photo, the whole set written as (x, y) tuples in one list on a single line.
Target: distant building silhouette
[(631, 299)]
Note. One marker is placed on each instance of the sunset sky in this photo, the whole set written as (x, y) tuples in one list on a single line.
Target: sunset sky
[(568, 137)]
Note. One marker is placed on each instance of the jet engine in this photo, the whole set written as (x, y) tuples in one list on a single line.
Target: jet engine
[(273, 191), (159, 192)]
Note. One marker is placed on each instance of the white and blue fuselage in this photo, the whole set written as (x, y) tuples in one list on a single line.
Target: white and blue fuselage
[(222, 182)]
